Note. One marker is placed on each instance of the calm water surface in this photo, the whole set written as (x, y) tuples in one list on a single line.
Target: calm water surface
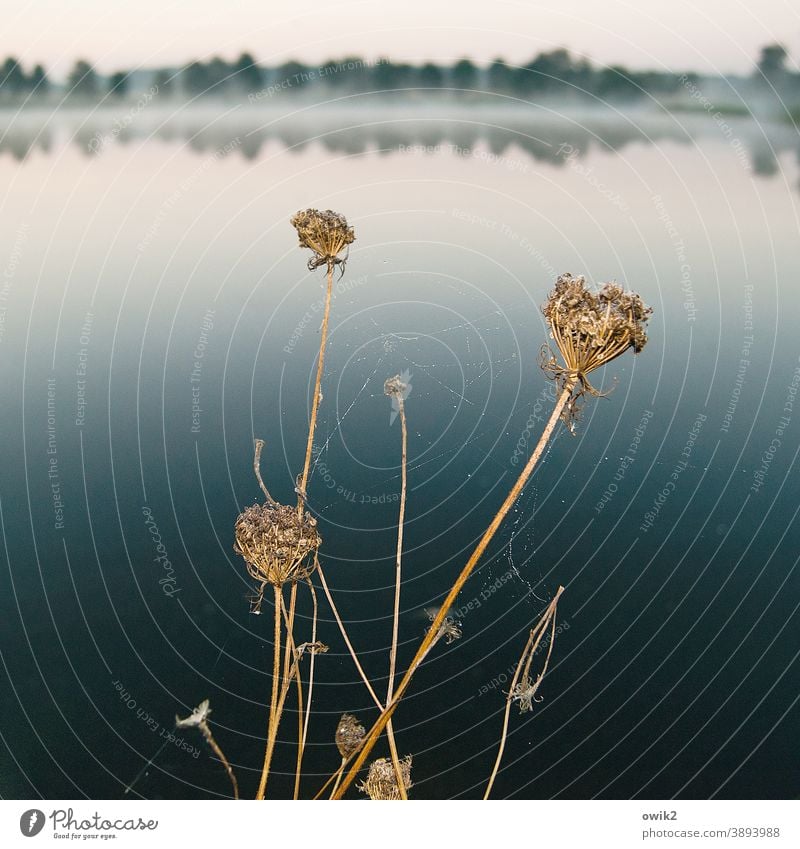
[(157, 316)]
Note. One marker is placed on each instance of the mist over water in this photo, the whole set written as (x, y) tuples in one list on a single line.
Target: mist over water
[(157, 316)]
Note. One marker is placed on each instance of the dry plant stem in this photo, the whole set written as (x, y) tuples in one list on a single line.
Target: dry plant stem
[(218, 752), (315, 403), (259, 445), (291, 669), (346, 639), (300, 726), (288, 652), (398, 573), (339, 774), (273, 712), (374, 733), (522, 670), (304, 731)]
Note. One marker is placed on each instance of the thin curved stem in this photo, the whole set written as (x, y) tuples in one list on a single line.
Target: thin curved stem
[(258, 446), (397, 581), (374, 733), (300, 726), (346, 639), (304, 731), (276, 664), (339, 773), (315, 403), (522, 671), (206, 731)]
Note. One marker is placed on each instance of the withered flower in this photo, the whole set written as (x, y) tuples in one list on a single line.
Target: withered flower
[(381, 781), (198, 718), (326, 233), (450, 628), (589, 329), (278, 544), (349, 734)]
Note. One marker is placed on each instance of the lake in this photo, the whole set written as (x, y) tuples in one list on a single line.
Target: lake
[(156, 315)]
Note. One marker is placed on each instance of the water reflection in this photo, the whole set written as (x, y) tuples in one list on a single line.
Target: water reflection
[(536, 134)]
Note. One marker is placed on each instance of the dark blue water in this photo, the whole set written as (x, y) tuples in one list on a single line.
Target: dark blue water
[(157, 316)]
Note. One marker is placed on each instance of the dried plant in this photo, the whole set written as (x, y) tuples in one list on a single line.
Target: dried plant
[(277, 545), (381, 782), (589, 330), (326, 234), (349, 734), (397, 389), (280, 544), (199, 719), (523, 690), (450, 629)]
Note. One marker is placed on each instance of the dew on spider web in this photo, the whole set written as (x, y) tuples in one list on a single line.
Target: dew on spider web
[(474, 370), (522, 535)]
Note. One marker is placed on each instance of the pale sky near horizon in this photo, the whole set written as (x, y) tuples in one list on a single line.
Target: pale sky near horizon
[(703, 35)]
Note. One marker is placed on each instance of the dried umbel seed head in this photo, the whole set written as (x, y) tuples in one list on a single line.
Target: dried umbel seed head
[(277, 543), (197, 717), (450, 628), (326, 233), (381, 780), (349, 734), (590, 329), (395, 387)]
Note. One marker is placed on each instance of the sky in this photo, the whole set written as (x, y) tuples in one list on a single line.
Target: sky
[(704, 35)]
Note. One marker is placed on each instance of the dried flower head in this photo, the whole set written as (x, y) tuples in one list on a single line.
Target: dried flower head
[(590, 329), (381, 782), (326, 233), (396, 387), (450, 628), (278, 544), (197, 718), (349, 734), (525, 693)]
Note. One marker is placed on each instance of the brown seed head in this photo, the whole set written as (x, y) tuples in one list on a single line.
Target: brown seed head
[(326, 233), (395, 387), (590, 329), (381, 782), (349, 734), (277, 544)]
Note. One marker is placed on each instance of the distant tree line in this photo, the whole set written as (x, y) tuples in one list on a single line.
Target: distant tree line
[(555, 73)]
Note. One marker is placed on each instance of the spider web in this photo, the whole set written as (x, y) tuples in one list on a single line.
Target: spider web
[(393, 351)]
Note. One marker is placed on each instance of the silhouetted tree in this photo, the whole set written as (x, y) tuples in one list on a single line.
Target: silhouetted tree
[(772, 61), (38, 81), (501, 77), (293, 74), (549, 71), (430, 76), (12, 78), (384, 75), (195, 79), (247, 75), (219, 76), (118, 84), (617, 82), (166, 82), (388, 75), (83, 82), (464, 75), (349, 73)]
